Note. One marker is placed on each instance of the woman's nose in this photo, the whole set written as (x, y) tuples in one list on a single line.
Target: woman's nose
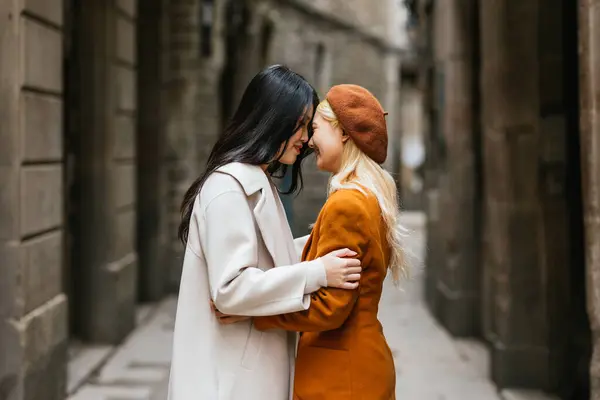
[(311, 143), (304, 137)]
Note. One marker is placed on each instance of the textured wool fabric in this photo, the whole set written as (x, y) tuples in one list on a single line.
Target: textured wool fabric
[(362, 118), (342, 353)]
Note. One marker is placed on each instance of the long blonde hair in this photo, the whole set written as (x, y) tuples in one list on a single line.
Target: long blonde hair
[(359, 171)]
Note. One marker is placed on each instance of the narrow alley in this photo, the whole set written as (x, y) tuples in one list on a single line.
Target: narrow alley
[(430, 365), (111, 110)]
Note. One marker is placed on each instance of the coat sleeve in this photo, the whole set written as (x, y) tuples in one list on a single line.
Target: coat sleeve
[(345, 223), (238, 286)]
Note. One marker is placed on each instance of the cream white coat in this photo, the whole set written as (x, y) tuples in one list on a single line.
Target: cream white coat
[(240, 253)]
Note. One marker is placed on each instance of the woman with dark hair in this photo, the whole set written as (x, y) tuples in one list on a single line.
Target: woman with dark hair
[(240, 253)]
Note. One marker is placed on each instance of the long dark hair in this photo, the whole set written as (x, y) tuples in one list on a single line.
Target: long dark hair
[(274, 106)]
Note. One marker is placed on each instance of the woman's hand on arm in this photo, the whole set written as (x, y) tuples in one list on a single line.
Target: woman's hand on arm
[(344, 223), (342, 272), (341, 269), (230, 246), (238, 286)]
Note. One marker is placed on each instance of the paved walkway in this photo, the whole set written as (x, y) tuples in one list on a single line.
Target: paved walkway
[(429, 364), (139, 369)]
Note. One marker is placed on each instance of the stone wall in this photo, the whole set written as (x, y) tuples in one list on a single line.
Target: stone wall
[(33, 306), (101, 201), (533, 240), (151, 182), (505, 213), (190, 109), (589, 23), (453, 272)]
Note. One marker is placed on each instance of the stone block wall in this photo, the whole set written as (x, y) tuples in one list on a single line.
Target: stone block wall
[(190, 108), (33, 306), (453, 272), (505, 238), (101, 205), (122, 256), (150, 183), (589, 61)]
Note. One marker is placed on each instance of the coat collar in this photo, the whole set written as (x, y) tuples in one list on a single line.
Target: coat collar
[(268, 211), (252, 178)]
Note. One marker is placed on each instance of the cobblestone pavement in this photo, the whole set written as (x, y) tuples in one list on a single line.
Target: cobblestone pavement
[(430, 365)]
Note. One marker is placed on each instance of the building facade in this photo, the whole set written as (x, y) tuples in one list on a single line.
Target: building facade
[(512, 185), (108, 109)]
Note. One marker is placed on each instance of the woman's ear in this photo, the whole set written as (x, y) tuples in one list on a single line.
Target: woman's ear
[(345, 137)]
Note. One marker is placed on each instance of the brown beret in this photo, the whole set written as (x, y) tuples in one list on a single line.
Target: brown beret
[(362, 118)]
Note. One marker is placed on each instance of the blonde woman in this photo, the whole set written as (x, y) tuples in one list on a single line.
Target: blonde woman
[(342, 353)]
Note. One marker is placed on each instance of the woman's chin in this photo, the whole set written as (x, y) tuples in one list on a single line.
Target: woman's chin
[(320, 164), (288, 159)]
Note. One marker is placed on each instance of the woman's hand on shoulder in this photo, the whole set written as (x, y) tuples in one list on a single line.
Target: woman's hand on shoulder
[(341, 269)]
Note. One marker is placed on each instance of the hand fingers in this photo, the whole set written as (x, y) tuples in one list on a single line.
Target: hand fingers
[(352, 262), (353, 277), (341, 253), (353, 270), (349, 285)]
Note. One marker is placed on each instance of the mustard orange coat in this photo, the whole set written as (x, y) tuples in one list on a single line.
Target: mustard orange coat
[(342, 353)]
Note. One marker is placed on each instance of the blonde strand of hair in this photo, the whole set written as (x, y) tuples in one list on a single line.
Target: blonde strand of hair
[(360, 171)]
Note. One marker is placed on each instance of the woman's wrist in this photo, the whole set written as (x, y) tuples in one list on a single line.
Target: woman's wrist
[(316, 276)]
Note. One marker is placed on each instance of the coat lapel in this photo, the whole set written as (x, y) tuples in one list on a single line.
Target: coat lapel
[(273, 227), (270, 218)]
